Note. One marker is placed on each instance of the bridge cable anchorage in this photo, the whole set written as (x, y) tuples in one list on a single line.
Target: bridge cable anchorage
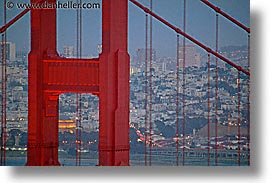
[(4, 95), (179, 31), (239, 118), (248, 101), (177, 103), (146, 91), (216, 91), (183, 85), (208, 107), (151, 85), (227, 16)]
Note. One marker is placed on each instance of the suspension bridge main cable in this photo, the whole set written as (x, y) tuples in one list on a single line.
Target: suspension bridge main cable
[(247, 29), (15, 19), (179, 31), (233, 20)]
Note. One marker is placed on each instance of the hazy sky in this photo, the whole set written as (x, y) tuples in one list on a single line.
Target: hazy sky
[(200, 25)]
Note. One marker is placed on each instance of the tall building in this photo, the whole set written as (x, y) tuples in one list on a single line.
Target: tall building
[(164, 67), (141, 53), (10, 51), (68, 51), (192, 57), (21, 56), (140, 58)]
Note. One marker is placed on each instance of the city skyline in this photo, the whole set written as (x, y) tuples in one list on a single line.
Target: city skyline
[(262, 166), (199, 25), (163, 105), (179, 103)]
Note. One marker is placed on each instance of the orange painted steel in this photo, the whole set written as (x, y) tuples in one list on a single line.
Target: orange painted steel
[(107, 77)]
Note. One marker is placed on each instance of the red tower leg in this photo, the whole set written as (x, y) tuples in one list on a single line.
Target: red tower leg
[(42, 118), (114, 86), (50, 130)]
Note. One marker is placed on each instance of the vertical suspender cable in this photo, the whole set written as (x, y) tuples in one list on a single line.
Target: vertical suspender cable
[(177, 104), (151, 83), (80, 30), (80, 95), (146, 90), (190, 38), (248, 102), (76, 98), (4, 80), (3, 113), (2, 106), (239, 118), (208, 108), (183, 85), (216, 91)]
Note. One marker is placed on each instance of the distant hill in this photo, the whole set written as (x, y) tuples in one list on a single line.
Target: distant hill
[(233, 48), (222, 130)]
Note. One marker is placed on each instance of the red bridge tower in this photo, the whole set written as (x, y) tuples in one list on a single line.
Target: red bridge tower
[(107, 77)]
